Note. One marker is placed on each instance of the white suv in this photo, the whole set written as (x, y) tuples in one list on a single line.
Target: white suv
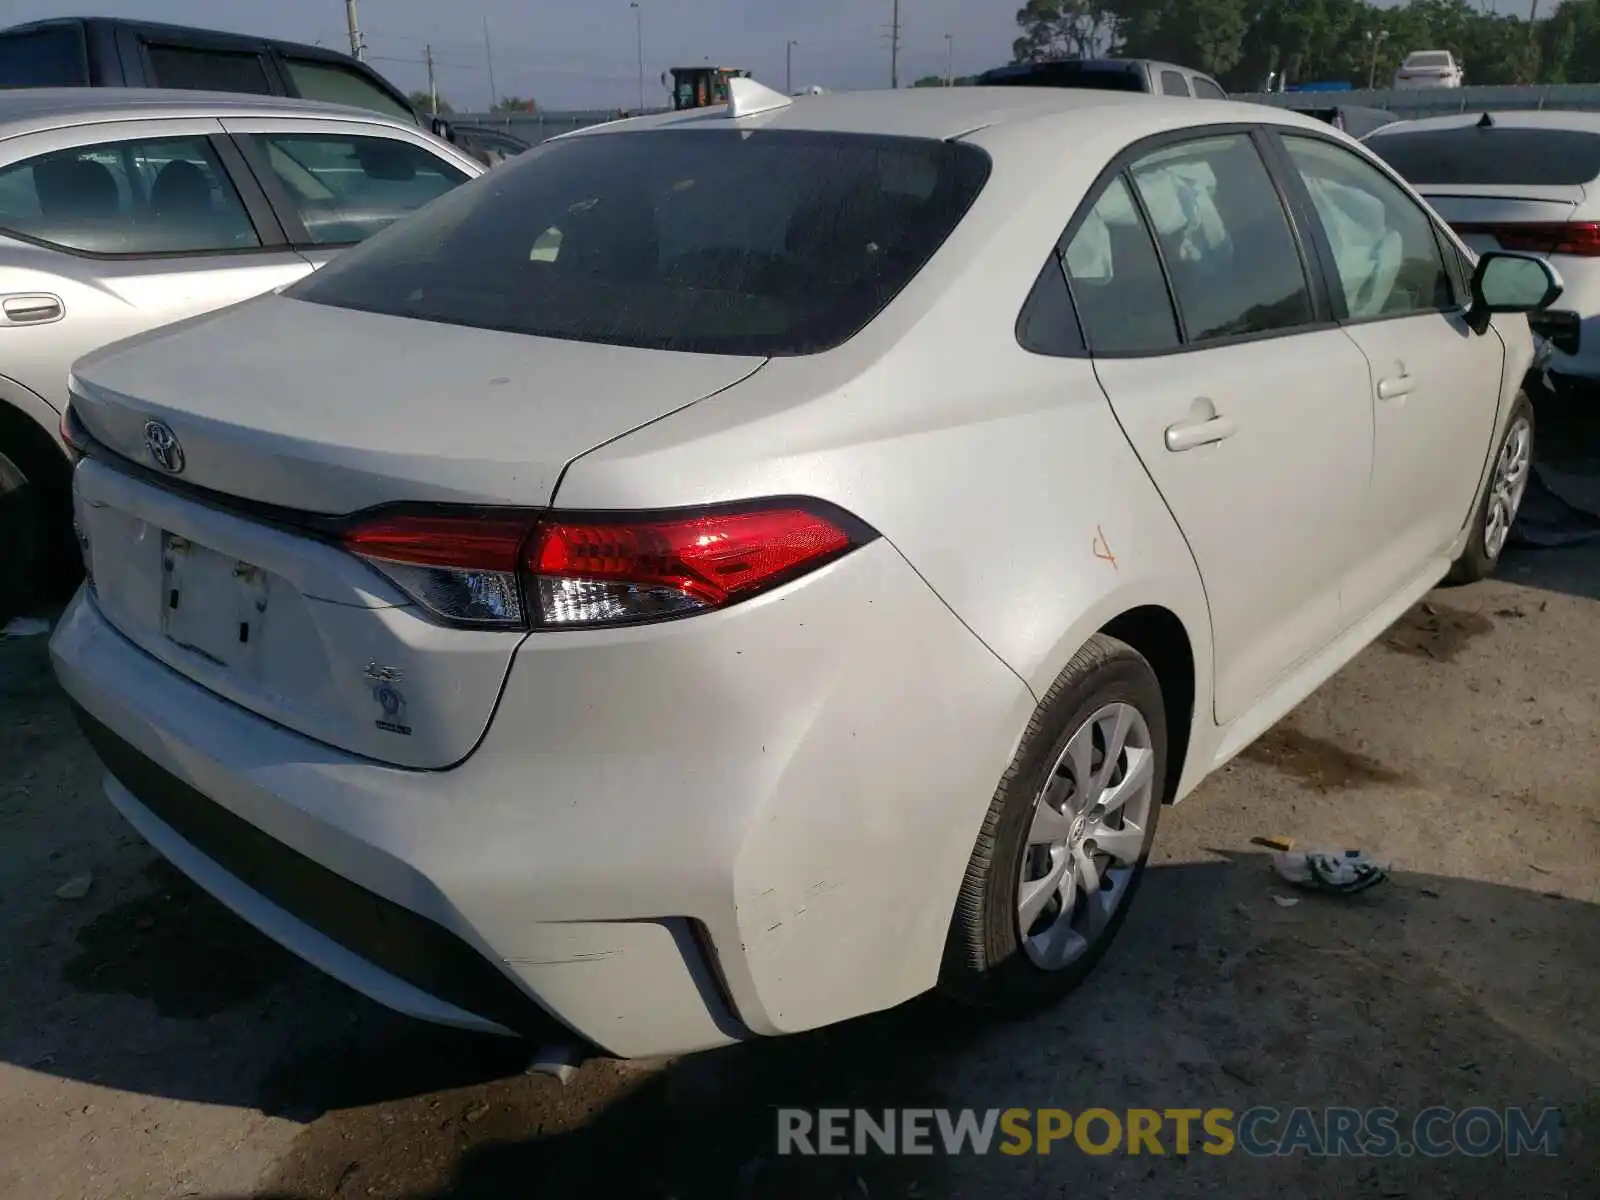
[(725, 574)]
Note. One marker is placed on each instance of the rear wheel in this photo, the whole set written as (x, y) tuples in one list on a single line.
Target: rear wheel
[(39, 559), (1502, 498), (1067, 836)]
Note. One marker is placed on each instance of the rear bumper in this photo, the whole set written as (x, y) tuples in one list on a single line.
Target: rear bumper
[(671, 837)]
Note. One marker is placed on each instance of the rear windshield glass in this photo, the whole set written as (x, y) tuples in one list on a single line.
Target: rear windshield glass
[(43, 58), (1106, 77), (773, 243), (1429, 59), (1558, 157)]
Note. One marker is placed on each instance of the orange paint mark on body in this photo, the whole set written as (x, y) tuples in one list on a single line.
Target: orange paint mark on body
[(1102, 548)]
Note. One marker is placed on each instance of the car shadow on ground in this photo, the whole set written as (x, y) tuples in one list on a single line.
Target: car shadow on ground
[(1424, 991)]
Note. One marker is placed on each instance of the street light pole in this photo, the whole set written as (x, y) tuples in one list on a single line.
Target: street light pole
[(788, 67), (638, 21), (949, 60)]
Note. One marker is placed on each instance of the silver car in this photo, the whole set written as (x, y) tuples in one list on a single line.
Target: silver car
[(121, 210)]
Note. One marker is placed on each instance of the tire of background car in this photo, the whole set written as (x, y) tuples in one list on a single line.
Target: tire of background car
[(1509, 472), (39, 560), (1042, 823)]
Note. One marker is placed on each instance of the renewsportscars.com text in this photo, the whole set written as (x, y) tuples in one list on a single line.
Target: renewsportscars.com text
[(1259, 1132)]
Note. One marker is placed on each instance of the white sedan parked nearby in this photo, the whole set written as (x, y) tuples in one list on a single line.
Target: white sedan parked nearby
[(1526, 181), (723, 573), (1430, 69)]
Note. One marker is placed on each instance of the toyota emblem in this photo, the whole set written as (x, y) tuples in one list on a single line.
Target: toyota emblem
[(163, 445)]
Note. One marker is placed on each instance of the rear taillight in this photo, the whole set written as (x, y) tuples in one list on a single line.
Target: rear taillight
[(1580, 238), (489, 569), (71, 442)]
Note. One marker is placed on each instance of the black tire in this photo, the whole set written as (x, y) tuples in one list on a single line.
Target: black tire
[(985, 962), (1476, 562)]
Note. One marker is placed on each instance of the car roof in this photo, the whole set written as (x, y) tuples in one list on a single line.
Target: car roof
[(29, 110), (177, 33), (947, 113), (1514, 119)]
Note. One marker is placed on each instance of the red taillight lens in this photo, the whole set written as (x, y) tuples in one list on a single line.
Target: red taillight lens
[(71, 443), (459, 566), (606, 571), (1580, 238), (490, 569)]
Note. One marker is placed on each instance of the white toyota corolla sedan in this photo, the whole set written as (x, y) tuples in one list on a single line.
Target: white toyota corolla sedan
[(727, 572)]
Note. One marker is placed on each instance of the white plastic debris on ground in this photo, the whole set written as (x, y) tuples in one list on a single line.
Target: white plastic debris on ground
[(22, 627)]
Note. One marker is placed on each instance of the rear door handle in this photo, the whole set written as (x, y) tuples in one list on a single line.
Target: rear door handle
[(1395, 387), (1203, 428), (32, 308)]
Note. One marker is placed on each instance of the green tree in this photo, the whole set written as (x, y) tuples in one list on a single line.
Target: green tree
[(1207, 35), (1063, 29), (422, 102), (515, 104)]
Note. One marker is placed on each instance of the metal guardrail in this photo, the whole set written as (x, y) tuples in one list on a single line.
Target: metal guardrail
[(1435, 102)]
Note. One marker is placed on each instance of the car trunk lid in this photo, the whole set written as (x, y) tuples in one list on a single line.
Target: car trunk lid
[(332, 410), (224, 570)]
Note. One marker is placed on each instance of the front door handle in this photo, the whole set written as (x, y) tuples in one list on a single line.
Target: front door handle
[(1202, 428), (1395, 387), (32, 308)]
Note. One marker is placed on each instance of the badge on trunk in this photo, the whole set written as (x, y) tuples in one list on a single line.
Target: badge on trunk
[(393, 703), (163, 446)]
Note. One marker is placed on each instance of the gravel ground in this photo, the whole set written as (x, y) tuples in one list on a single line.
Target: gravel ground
[(153, 1046)]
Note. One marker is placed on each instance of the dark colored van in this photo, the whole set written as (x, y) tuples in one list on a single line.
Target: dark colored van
[(118, 52)]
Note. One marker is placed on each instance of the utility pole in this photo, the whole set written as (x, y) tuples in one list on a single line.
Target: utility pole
[(894, 47), (488, 56), (638, 23), (949, 60), (357, 46), (433, 86), (788, 67)]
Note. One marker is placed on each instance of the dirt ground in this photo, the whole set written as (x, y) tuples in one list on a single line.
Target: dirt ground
[(153, 1046)]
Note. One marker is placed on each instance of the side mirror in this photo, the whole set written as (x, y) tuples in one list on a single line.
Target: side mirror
[(1511, 283)]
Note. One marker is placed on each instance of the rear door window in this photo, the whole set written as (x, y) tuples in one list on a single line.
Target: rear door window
[(1225, 238), (155, 196), (1206, 90), (1174, 84), (335, 84), (1495, 155), (737, 242), (195, 68), (1117, 283), (345, 188), (51, 57)]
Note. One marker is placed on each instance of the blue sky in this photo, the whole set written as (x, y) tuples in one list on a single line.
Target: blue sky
[(582, 53)]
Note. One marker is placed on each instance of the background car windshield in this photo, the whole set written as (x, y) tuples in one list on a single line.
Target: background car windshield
[(711, 242), (1096, 76), (1551, 157), (1429, 59)]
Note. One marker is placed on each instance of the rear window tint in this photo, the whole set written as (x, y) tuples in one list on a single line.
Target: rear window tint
[(1107, 77), (1556, 157), (1207, 90), (333, 84), (775, 243), (1436, 59), (43, 58), (208, 70)]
